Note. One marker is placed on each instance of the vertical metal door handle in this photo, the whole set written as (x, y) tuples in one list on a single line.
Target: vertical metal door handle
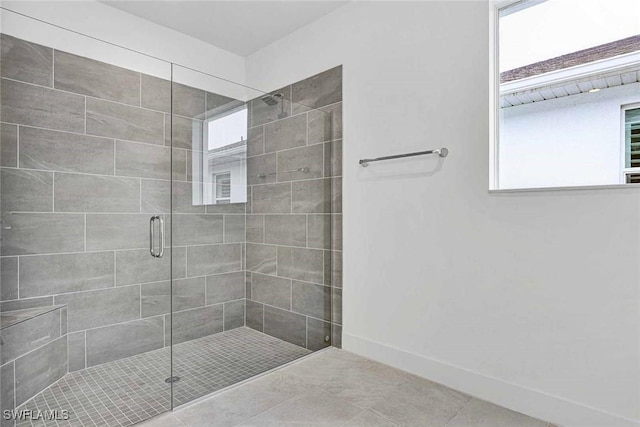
[(152, 236), (161, 237)]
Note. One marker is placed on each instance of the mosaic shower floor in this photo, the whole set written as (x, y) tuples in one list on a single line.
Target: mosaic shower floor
[(127, 391)]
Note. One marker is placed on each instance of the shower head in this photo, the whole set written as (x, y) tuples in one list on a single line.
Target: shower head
[(272, 98)]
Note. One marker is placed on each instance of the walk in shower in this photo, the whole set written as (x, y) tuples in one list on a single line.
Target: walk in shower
[(165, 233)]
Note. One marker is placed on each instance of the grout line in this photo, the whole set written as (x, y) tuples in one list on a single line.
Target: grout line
[(85, 232), (18, 146)]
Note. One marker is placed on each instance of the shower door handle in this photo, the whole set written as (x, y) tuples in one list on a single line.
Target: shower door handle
[(152, 236), (161, 237)]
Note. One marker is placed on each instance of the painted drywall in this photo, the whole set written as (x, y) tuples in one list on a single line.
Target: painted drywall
[(94, 19), (530, 300), (577, 140)]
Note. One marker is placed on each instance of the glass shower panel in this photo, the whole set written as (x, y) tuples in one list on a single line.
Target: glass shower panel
[(85, 172), (252, 221)]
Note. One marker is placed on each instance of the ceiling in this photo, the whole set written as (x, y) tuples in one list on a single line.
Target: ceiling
[(241, 27)]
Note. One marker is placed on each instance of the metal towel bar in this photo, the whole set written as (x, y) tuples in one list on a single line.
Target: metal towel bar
[(442, 152)]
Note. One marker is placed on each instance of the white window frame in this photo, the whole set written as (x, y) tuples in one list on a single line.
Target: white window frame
[(494, 86), (623, 161)]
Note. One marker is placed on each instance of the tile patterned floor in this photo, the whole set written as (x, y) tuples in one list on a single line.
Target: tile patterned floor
[(127, 391), (337, 388)]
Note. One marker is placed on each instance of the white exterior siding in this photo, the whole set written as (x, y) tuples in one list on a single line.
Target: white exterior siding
[(570, 141)]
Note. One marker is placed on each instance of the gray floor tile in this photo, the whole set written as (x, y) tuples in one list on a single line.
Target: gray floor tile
[(478, 413), (127, 391), (313, 408)]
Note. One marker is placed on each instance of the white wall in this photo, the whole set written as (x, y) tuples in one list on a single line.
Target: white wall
[(527, 299), (576, 140), (94, 19)]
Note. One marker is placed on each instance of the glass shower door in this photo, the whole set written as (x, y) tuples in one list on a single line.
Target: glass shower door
[(251, 230), (85, 171)]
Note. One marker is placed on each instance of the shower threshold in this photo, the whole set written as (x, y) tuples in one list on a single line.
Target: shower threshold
[(127, 391)]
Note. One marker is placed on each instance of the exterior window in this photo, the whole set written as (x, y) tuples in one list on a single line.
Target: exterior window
[(223, 187), (560, 93), (632, 144)]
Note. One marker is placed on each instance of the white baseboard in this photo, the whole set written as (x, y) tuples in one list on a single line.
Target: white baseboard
[(534, 403)]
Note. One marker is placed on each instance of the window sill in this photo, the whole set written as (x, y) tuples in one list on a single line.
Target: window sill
[(578, 188)]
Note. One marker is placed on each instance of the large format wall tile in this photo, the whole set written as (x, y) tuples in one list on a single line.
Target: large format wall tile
[(333, 158), (26, 190), (155, 196), (77, 355), (310, 159), (183, 132), (197, 229), (7, 392), (156, 93), (119, 121), (290, 230), (233, 314), (138, 266), (24, 337), (254, 315), (25, 61), (311, 300), (319, 231), (271, 198), (55, 274), (40, 368), (286, 133), (187, 101), (35, 233), (90, 193), (8, 278), (213, 259), (182, 198), (255, 141), (285, 325), (65, 152), (317, 334), (225, 287), (89, 77), (234, 229), (301, 264), (30, 105), (262, 169), (8, 145), (124, 340), (317, 91), (271, 290), (261, 258), (187, 294), (313, 196), (117, 231), (255, 228), (92, 309), (192, 324), (143, 160)]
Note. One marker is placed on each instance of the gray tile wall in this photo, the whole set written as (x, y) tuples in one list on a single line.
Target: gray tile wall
[(294, 219), (86, 159)]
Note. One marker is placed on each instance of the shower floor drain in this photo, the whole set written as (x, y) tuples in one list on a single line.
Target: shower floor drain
[(172, 380)]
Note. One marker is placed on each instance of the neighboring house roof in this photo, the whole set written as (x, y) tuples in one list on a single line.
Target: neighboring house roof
[(604, 51)]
